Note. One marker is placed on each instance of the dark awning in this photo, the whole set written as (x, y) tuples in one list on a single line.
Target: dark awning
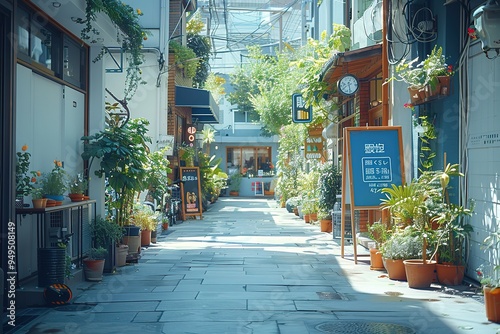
[(363, 63), (202, 104)]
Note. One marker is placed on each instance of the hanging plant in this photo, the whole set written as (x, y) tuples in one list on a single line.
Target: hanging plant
[(127, 20)]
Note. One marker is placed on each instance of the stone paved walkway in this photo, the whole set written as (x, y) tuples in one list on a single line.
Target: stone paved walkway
[(249, 267)]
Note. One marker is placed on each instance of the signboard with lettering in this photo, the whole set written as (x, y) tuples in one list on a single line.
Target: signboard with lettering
[(191, 192), (300, 114), (313, 144), (374, 161)]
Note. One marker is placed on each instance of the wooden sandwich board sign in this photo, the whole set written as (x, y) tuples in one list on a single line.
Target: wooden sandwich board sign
[(372, 160), (191, 192)]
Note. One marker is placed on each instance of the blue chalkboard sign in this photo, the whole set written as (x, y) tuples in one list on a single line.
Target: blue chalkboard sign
[(375, 161)]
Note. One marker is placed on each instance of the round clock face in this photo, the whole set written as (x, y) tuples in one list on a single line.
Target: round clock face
[(348, 84)]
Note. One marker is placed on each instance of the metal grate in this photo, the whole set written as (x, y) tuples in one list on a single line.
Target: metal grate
[(359, 327)]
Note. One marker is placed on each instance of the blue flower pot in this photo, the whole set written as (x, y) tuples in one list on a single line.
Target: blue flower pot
[(55, 197)]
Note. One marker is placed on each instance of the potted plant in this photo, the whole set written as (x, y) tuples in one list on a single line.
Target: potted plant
[(187, 154), (329, 184), (146, 219), (489, 276), (55, 183), (93, 264), (379, 232), (108, 234), (25, 179), (37, 198), (428, 78), (77, 186), (234, 183), (402, 244)]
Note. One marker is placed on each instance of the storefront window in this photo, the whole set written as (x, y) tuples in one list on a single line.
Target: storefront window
[(250, 161)]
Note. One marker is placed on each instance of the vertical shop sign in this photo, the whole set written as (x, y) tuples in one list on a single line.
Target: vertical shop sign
[(300, 114)]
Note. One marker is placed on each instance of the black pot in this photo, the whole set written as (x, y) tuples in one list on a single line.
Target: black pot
[(51, 266)]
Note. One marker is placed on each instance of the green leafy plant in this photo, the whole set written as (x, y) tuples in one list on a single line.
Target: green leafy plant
[(122, 152), (127, 20), (104, 232), (25, 179), (402, 245), (329, 185), (78, 184), (144, 217), (55, 182), (185, 58), (380, 233), (97, 253), (489, 274), (235, 181)]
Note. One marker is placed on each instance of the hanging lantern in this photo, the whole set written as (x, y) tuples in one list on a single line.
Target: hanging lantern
[(487, 24)]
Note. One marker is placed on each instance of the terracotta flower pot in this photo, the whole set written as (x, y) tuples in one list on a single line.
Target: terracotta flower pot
[(307, 219), (376, 262), (492, 303), (419, 274), (93, 269), (313, 217), (39, 203), (121, 255), (395, 269), (145, 237), (326, 225), (449, 274)]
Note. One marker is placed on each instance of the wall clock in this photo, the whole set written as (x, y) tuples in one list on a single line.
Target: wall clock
[(348, 84)]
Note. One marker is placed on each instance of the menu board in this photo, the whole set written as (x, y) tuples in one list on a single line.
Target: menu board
[(375, 161), (191, 192)]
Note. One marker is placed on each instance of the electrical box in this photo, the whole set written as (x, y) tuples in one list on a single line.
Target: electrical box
[(487, 24)]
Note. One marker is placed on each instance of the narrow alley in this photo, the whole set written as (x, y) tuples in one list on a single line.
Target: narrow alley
[(251, 267)]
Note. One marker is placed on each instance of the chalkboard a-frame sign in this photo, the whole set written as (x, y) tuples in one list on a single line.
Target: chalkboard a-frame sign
[(372, 160), (190, 192)]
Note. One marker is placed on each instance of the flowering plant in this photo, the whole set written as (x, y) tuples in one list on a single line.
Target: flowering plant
[(55, 182), (24, 178), (489, 275)]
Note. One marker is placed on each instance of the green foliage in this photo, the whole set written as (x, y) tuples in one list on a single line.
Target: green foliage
[(330, 186), (157, 168), (289, 161), (312, 63), (55, 182), (215, 84), (380, 233), (426, 155), (201, 47), (127, 20), (25, 179), (98, 253), (144, 217), (212, 178), (235, 181), (105, 232), (78, 184), (122, 153), (402, 245), (185, 59)]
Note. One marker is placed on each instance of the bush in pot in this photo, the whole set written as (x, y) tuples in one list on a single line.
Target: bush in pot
[(329, 186), (93, 265), (108, 234), (401, 245), (146, 219)]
